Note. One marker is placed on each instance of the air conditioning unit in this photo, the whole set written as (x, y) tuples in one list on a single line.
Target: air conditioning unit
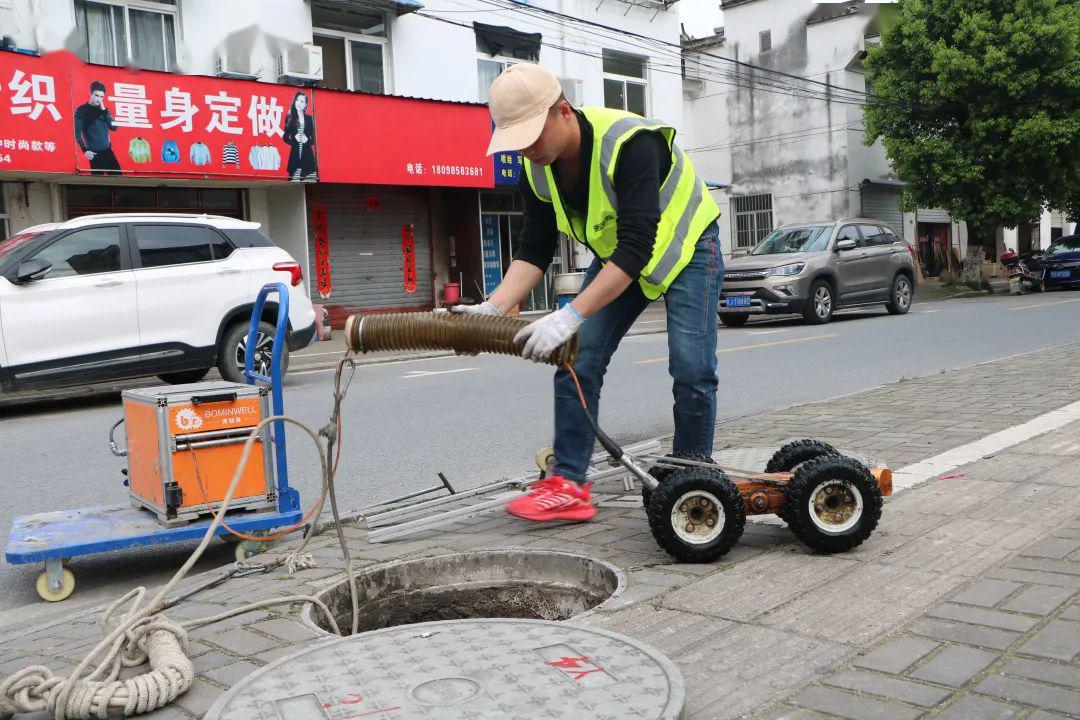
[(572, 89), (693, 87), (302, 64), (236, 66)]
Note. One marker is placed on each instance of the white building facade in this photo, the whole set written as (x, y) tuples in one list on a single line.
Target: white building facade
[(616, 53)]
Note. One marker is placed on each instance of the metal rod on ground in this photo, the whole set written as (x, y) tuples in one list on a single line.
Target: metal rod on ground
[(405, 520), (388, 517), (409, 524), (446, 484), (410, 496), (426, 523)]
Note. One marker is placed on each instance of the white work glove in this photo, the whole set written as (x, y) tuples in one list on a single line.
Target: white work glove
[(543, 336), (484, 308)]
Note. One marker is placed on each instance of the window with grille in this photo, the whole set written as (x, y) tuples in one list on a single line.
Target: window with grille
[(753, 219), (765, 41)]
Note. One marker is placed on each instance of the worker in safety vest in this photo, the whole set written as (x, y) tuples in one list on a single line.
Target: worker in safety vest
[(616, 182)]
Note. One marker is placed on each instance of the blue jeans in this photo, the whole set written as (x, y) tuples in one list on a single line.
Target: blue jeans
[(691, 303)]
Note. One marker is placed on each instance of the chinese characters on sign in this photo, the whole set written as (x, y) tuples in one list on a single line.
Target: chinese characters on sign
[(403, 141), (322, 251), (151, 123), (490, 252), (408, 256), (33, 95), (35, 110), (61, 115), (507, 168)]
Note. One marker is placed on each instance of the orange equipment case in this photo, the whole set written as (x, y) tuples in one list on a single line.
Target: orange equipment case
[(184, 443)]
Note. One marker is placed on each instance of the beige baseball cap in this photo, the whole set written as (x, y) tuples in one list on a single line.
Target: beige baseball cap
[(520, 99)]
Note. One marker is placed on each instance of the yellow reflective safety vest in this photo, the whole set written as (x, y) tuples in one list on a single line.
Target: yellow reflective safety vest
[(686, 208)]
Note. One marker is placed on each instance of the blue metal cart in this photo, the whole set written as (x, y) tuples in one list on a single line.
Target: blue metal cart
[(55, 537)]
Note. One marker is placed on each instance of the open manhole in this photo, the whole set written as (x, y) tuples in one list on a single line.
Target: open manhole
[(521, 584)]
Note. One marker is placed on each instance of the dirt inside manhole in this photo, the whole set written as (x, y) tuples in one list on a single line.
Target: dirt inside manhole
[(511, 584)]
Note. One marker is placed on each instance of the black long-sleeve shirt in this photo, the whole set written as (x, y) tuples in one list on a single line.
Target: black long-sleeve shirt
[(643, 162), (92, 127)]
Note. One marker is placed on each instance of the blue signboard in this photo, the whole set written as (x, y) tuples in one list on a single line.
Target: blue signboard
[(507, 167), (489, 247)]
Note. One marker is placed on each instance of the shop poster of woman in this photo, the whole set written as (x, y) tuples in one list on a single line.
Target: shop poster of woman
[(300, 136)]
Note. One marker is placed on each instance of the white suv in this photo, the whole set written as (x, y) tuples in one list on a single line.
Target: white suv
[(106, 297)]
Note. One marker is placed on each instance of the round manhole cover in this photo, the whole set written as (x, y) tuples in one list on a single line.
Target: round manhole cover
[(463, 670)]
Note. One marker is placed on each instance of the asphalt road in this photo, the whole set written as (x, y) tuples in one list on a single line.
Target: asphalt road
[(479, 419)]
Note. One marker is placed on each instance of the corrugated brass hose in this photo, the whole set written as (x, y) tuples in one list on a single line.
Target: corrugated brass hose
[(444, 331)]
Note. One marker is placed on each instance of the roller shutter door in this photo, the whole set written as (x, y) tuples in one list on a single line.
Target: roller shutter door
[(366, 263), (883, 205)]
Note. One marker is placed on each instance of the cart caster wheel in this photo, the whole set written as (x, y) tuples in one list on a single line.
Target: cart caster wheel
[(696, 515), (544, 458), (661, 473), (67, 587), (251, 548), (833, 503), (794, 454)]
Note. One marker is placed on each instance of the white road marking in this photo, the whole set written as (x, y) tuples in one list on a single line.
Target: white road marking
[(300, 356), (924, 470), (294, 373), (1042, 305), (424, 373), (755, 346), (767, 332)]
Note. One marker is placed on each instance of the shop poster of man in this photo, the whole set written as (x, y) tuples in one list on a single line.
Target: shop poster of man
[(93, 123)]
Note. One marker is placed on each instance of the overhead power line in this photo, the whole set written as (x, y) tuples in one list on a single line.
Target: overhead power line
[(534, 10), (733, 80)]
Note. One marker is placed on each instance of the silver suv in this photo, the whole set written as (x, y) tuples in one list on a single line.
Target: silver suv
[(814, 269)]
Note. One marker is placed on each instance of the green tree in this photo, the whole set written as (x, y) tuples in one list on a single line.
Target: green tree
[(977, 103)]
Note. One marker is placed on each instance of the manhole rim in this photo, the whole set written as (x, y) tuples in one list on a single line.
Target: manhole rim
[(673, 708), (307, 615)]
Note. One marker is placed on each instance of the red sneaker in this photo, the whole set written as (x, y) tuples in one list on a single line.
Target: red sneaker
[(554, 498)]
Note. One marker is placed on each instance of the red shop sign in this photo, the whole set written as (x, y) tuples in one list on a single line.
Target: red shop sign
[(153, 123), (35, 113), (408, 255), (322, 251), (379, 139)]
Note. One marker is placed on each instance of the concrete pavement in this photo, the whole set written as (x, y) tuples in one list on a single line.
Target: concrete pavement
[(965, 603)]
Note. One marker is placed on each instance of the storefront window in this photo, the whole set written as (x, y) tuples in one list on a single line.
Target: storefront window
[(501, 223), (91, 199), (136, 197), (219, 199), (498, 202), (179, 198)]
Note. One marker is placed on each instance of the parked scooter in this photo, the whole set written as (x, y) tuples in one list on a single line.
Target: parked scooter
[(1023, 277)]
